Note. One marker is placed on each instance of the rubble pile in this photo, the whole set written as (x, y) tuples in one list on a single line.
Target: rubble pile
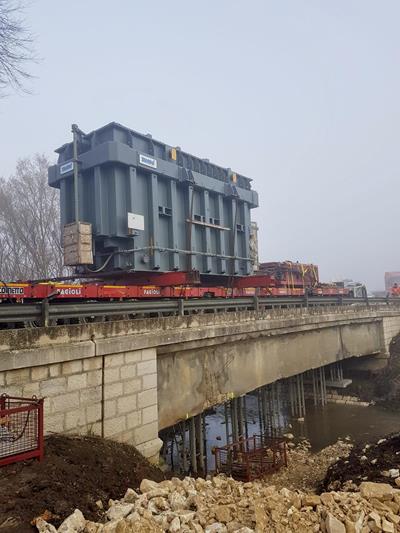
[(306, 469), (379, 461), (222, 505)]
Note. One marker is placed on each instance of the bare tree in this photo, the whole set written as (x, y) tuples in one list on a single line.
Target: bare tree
[(15, 46), (30, 239)]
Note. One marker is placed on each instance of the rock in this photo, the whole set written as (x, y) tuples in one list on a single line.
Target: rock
[(133, 517), (327, 498), (379, 506), (310, 500), (75, 523), (186, 516), (397, 481), (202, 518), (116, 526), (393, 518), (296, 501), (93, 527), (243, 502), (166, 484), (359, 522), (162, 521), (350, 526), (289, 436), (380, 491), (387, 527), (219, 482), (223, 514), (244, 530), (119, 510), (376, 519), (147, 485), (196, 527), (175, 525), (130, 496), (216, 527), (152, 508), (141, 501), (177, 501), (333, 525), (147, 514), (373, 527), (158, 492), (394, 472), (189, 481), (233, 526), (44, 527), (286, 493), (161, 503)]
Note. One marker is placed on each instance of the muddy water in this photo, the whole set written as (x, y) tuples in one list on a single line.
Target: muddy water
[(324, 426), (321, 426)]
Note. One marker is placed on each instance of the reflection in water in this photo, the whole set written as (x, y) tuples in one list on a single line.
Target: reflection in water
[(215, 425), (322, 426)]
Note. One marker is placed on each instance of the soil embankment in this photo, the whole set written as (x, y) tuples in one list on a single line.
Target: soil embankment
[(75, 473), (379, 462), (381, 387)]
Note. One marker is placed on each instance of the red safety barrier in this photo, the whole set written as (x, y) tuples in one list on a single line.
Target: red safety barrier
[(21, 429), (252, 458)]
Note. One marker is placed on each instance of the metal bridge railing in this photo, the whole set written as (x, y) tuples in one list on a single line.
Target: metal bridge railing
[(53, 313)]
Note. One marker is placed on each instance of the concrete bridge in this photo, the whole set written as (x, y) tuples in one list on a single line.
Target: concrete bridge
[(129, 379)]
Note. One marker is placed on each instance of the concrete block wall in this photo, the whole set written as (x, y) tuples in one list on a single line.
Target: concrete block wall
[(114, 396), (72, 390), (130, 399)]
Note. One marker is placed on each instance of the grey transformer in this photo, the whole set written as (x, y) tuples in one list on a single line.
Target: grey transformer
[(154, 207)]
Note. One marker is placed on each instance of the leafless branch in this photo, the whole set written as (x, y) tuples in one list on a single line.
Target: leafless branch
[(16, 46), (30, 239)]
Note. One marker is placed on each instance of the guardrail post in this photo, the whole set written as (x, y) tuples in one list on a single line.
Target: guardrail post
[(181, 307), (256, 303), (305, 304), (45, 313)]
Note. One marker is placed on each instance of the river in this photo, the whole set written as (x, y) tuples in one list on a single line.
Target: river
[(322, 426)]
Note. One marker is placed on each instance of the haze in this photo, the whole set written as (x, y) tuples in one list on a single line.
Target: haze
[(301, 96)]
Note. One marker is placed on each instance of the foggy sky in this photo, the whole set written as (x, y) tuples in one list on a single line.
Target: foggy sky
[(301, 96)]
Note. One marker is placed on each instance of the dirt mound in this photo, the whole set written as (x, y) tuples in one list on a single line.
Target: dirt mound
[(76, 472), (367, 462), (305, 469)]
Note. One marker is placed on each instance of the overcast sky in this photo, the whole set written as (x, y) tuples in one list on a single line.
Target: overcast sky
[(301, 96)]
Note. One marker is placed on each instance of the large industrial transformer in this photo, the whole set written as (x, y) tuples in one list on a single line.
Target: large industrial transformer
[(151, 206)]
